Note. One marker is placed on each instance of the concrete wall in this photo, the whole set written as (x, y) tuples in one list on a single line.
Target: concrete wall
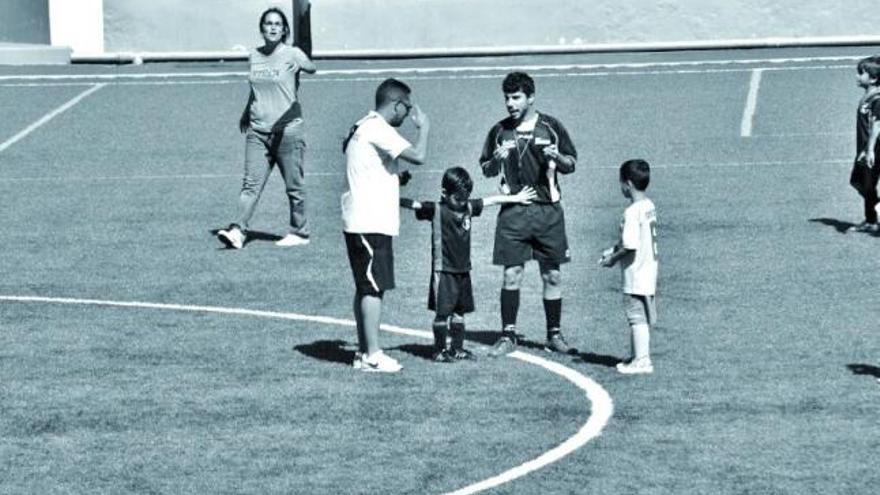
[(219, 25), (24, 21)]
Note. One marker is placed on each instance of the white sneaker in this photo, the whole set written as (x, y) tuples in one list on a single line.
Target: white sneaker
[(232, 238), (379, 362), (291, 240), (636, 367)]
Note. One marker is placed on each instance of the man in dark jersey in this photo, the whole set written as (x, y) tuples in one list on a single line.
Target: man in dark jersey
[(529, 149), (450, 295)]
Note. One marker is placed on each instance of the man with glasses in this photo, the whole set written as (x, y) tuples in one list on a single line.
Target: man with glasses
[(370, 209)]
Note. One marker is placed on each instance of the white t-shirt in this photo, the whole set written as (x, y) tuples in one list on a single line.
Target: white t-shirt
[(372, 203), (638, 231), (273, 81)]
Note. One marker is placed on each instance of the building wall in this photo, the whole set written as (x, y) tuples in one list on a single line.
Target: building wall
[(220, 25), (24, 21)]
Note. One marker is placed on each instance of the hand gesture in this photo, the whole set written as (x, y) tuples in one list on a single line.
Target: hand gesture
[(420, 118), (869, 158), (404, 177), (525, 195), (605, 260), (500, 153), (551, 152)]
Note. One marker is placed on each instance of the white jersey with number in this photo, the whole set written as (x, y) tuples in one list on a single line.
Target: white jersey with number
[(638, 232)]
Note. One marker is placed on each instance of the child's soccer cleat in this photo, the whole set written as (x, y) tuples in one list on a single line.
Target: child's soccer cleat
[(232, 238), (504, 346), (462, 354), (555, 343), (291, 240), (636, 367), (379, 362), (442, 356)]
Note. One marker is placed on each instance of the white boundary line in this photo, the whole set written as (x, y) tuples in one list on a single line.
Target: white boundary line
[(49, 116), (434, 70), (602, 404), (745, 128)]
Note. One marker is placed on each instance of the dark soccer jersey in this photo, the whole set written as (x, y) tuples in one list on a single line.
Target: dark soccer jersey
[(868, 112), (450, 234), (526, 164)]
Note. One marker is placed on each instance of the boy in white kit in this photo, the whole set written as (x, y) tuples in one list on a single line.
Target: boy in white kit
[(637, 253)]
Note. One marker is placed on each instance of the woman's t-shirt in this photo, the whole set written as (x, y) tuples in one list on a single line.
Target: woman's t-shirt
[(273, 81)]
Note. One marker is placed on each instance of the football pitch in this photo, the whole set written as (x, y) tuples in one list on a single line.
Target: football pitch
[(139, 356)]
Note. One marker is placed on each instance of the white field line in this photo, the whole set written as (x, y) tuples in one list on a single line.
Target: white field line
[(49, 116), (602, 405), (435, 70), (745, 128), (670, 166)]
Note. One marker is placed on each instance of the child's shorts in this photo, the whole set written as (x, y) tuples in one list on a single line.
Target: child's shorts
[(450, 293), (640, 310), (372, 262)]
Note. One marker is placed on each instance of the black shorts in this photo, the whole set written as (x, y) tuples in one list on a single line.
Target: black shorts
[(450, 293), (535, 231), (372, 262)]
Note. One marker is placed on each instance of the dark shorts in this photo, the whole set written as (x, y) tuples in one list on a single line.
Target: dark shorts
[(450, 293), (372, 262), (526, 232)]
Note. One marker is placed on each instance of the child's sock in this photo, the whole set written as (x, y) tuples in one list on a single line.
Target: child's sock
[(441, 330), (553, 315), (509, 307), (641, 341)]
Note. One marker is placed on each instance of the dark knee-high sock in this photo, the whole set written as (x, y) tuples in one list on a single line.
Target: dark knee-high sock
[(553, 314), (509, 310), (441, 330), (456, 330)]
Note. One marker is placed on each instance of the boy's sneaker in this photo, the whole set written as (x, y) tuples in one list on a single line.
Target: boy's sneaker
[(865, 227), (636, 367), (462, 354), (379, 362), (555, 343), (504, 346), (291, 240), (442, 356), (233, 237)]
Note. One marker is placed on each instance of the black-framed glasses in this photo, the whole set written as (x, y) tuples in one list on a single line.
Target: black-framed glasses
[(405, 104)]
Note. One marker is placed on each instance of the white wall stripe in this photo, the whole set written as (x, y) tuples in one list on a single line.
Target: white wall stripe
[(745, 128), (601, 411), (49, 116)]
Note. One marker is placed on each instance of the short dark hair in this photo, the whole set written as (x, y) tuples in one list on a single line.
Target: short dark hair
[(636, 171), (518, 81), (870, 66), (283, 21), (391, 90), (457, 182)]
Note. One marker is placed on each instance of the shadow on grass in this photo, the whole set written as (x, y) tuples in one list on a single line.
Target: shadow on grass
[(839, 225), (600, 359), (327, 350), (418, 350), (864, 369), (252, 236)]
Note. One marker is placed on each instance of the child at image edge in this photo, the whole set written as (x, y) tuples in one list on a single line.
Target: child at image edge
[(637, 254), (450, 295)]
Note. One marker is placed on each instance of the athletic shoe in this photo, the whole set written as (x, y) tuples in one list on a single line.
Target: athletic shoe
[(379, 362), (636, 367), (291, 240), (442, 356), (871, 228), (462, 354), (555, 343), (232, 238), (504, 346)]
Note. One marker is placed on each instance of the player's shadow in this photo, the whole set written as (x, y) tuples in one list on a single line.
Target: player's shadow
[(600, 359), (332, 351), (252, 236), (864, 369), (839, 225), (418, 350)]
